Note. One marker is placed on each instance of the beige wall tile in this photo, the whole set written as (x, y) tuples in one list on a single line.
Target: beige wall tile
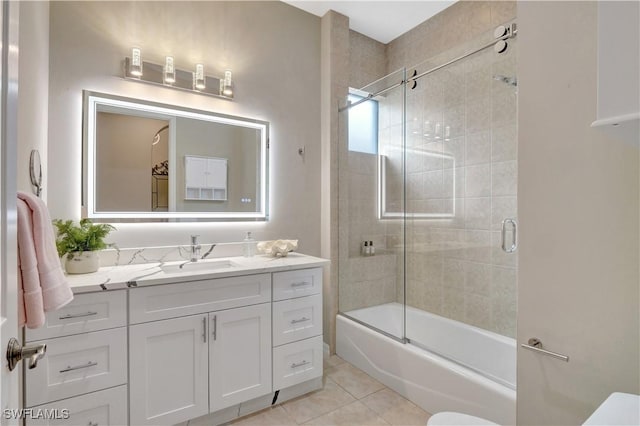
[(504, 143), (478, 181), (504, 178), (478, 148), (478, 278), (502, 208), (478, 213)]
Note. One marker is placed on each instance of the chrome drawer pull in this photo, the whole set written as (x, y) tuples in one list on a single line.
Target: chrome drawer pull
[(86, 314), (303, 319), (79, 367), (300, 284), (215, 327), (204, 329), (536, 345), (300, 364)]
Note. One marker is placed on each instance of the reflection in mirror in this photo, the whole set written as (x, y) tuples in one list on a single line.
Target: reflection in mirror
[(145, 160), (160, 170)]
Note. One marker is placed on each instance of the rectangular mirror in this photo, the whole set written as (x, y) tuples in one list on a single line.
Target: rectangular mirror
[(149, 161)]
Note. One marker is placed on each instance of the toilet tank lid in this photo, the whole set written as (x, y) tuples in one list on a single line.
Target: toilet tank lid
[(618, 409)]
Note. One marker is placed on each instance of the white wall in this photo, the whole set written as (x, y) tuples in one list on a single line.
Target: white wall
[(33, 92), (274, 52), (578, 210)]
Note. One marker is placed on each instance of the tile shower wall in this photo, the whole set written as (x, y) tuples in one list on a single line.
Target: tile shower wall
[(461, 127), (364, 281), (461, 168)]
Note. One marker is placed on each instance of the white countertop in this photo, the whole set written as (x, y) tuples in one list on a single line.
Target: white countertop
[(120, 277)]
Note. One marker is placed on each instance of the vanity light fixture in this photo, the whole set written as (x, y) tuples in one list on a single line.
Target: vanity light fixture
[(169, 70), (198, 78), (166, 74), (135, 67)]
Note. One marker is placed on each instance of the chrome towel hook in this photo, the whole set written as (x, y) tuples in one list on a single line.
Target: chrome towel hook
[(35, 171)]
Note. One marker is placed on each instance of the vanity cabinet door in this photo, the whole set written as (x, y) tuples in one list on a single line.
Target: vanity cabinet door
[(168, 370), (240, 355)]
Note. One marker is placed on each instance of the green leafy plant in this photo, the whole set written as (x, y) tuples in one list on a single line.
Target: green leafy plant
[(86, 237)]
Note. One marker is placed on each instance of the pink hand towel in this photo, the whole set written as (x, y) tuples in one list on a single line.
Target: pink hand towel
[(43, 283)]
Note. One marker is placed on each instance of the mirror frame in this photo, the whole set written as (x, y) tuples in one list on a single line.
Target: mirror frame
[(141, 108)]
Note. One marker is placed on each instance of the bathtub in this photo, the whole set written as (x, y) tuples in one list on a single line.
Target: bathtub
[(447, 366)]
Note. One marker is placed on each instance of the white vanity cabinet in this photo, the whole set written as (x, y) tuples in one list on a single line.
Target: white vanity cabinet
[(169, 363), (189, 366), (239, 355), (297, 327), (85, 367), (165, 352)]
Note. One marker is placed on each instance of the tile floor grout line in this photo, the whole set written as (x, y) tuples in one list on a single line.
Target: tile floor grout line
[(329, 412)]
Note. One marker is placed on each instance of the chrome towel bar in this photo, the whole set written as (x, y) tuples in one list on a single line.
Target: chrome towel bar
[(536, 345)]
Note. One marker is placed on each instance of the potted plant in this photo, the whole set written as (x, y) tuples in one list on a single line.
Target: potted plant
[(81, 244)]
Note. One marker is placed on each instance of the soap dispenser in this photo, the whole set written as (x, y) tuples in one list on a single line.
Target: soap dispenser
[(248, 246)]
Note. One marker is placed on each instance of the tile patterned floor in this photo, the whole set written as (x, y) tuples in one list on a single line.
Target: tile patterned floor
[(349, 397)]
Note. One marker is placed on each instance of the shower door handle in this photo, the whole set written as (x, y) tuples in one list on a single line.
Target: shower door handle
[(514, 235)]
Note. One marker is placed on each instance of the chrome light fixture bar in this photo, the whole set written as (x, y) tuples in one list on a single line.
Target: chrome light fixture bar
[(168, 76)]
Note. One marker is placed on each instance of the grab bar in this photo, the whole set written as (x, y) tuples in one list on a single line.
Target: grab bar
[(536, 345)]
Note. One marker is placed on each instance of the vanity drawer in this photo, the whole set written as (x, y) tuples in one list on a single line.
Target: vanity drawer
[(86, 312), (303, 282), (297, 319), (104, 408), (78, 364), (176, 300), (297, 362)]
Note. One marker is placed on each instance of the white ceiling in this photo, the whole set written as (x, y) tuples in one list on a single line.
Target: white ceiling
[(378, 19)]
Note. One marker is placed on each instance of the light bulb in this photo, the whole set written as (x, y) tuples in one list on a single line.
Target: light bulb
[(169, 70), (135, 68), (227, 89), (198, 78)]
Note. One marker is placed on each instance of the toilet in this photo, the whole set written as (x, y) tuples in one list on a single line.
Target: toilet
[(449, 418)]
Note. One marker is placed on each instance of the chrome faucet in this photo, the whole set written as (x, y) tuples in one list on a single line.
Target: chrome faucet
[(195, 248)]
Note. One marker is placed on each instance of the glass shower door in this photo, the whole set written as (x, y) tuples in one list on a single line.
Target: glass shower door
[(461, 182), (371, 206)]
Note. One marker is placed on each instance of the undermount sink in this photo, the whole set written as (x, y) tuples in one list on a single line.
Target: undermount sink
[(200, 266)]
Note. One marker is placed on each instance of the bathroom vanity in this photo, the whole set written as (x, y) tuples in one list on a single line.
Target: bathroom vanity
[(164, 343)]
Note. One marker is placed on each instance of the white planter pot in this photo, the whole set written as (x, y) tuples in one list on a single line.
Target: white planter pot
[(82, 262)]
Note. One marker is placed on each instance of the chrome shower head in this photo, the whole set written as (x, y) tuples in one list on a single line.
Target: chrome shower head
[(508, 80)]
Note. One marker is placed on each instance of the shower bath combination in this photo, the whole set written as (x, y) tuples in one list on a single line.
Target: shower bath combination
[(433, 314)]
